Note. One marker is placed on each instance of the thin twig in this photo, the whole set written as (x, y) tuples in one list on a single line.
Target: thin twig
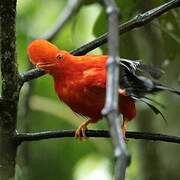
[(70, 8), (22, 137), (137, 21)]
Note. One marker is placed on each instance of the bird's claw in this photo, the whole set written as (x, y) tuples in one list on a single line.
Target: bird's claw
[(124, 134), (81, 132), (124, 129)]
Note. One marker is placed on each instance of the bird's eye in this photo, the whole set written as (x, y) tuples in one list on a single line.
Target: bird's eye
[(60, 57)]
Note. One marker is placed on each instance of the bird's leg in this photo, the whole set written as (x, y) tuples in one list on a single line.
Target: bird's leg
[(80, 132), (124, 127)]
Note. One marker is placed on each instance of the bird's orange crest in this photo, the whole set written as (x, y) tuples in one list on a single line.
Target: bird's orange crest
[(41, 50), (45, 55)]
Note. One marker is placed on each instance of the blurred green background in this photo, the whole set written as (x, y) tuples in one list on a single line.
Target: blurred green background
[(157, 43)]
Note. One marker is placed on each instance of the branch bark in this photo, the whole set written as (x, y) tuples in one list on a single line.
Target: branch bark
[(22, 137), (137, 21), (10, 89)]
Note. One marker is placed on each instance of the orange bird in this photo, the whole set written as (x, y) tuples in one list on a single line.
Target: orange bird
[(80, 82)]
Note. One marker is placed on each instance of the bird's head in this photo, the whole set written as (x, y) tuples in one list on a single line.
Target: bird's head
[(46, 56)]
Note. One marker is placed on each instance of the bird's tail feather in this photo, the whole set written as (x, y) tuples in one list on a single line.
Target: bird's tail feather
[(152, 107), (155, 102), (162, 87)]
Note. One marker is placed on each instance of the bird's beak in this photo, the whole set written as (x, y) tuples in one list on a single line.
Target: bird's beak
[(45, 65)]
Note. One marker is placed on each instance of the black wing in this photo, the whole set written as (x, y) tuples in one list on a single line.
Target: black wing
[(140, 79)]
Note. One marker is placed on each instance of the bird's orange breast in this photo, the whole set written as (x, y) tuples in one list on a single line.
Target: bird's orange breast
[(80, 98), (89, 102)]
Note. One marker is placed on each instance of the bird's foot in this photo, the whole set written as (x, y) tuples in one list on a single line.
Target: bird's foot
[(124, 135), (81, 131), (124, 128)]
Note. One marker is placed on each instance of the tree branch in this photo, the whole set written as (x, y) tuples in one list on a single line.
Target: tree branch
[(22, 137), (10, 88), (111, 108), (31, 74), (137, 21)]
